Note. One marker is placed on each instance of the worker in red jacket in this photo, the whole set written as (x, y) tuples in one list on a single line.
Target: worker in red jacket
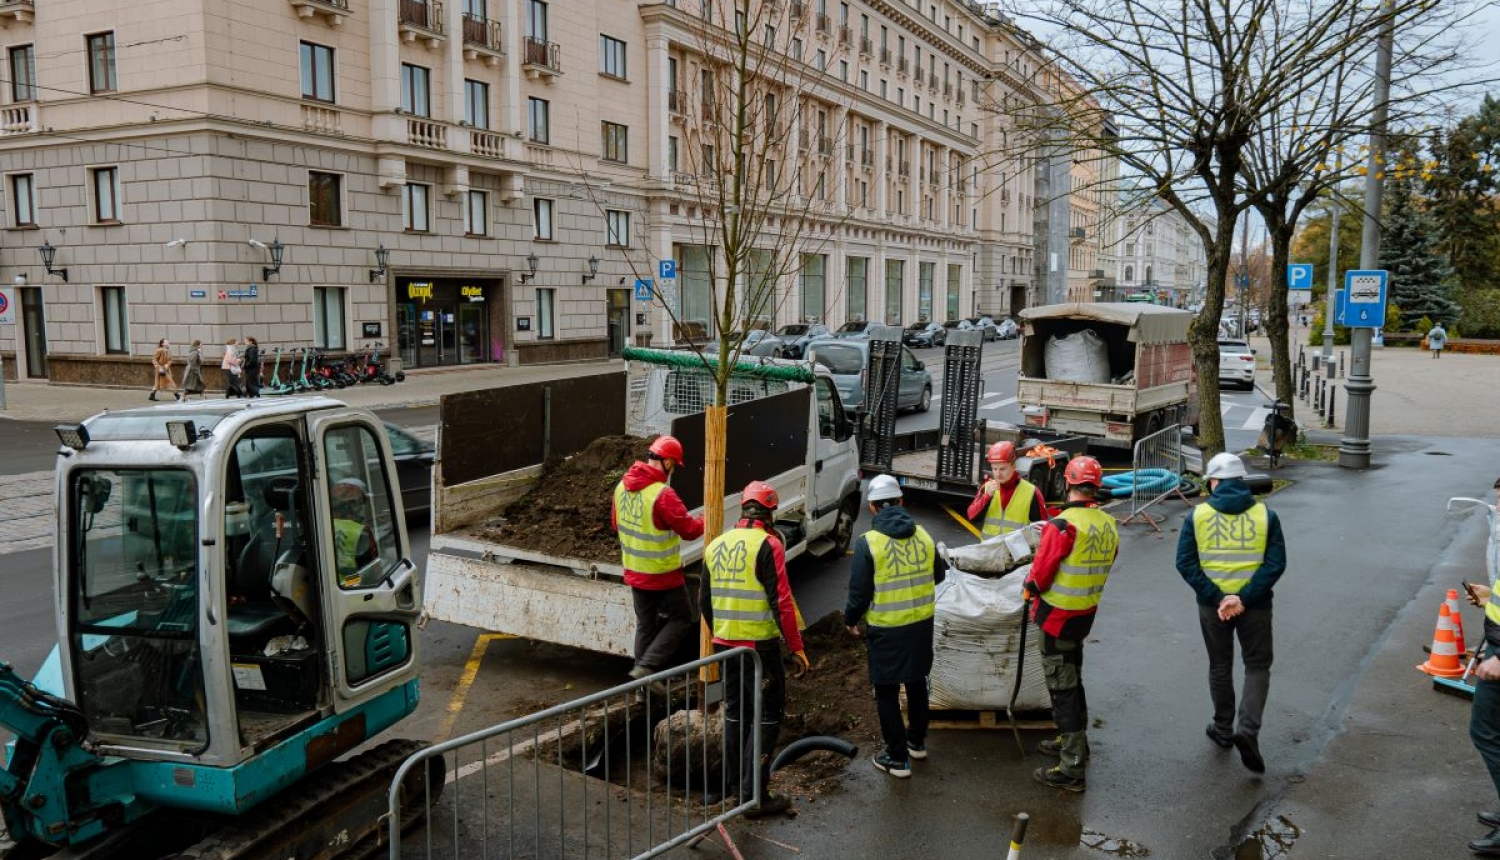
[(652, 523), (1066, 581), (1007, 501)]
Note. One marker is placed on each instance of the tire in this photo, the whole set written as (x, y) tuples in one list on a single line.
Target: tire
[(1154, 423), (843, 528), (940, 340), (926, 402)]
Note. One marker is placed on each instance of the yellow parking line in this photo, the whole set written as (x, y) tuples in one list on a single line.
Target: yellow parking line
[(465, 681), (963, 522)]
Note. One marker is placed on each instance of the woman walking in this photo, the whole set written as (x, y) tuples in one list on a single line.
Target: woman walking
[(232, 367), (161, 363), (192, 377), (252, 367)]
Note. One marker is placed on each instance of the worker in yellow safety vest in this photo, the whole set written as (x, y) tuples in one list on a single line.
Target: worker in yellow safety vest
[(1066, 582), (652, 523), (748, 603), (1231, 552), (1007, 501), (892, 589), (1484, 716), (353, 543)]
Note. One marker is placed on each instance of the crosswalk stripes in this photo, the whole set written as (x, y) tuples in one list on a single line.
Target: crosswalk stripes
[(1257, 419)]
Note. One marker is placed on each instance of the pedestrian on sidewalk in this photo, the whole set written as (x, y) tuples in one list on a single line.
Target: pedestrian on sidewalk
[(1484, 715), (747, 601), (1231, 551), (1437, 339), (192, 377), (1066, 582), (232, 367), (892, 588), (252, 367), (1007, 501), (161, 370), (652, 523)]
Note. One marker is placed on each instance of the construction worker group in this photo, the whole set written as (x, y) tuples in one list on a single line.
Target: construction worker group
[(1230, 552)]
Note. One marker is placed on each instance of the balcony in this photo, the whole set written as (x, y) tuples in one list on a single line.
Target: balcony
[(676, 99), (1097, 274), (960, 96), (488, 144), (543, 59), (422, 19), (322, 120), (806, 139), (866, 47), (901, 65), (483, 40), (798, 11), (846, 35), (1077, 233), (824, 24), (825, 145), (423, 132), (920, 76), (904, 169), (332, 11), (867, 158), (18, 119), (885, 57), (947, 89)]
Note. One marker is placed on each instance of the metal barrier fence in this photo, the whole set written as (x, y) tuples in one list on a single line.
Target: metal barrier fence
[(585, 778), (1157, 466)]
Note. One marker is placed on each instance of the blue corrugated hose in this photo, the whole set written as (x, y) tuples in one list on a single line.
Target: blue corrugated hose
[(1149, 482)]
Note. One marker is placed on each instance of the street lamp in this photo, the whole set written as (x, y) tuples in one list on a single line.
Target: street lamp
[(593, 269), (531, 263), (382, 257), (49, 254), (277, 250)]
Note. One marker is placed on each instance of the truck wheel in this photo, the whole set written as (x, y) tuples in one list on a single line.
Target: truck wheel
[(843, 528), (926, 402)]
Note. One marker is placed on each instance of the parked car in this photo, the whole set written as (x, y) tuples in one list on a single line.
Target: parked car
[(846, 360), (860, 329), (414, 458), (757, 342), (796, 336), (1236, 363), (924, 334), (986, 324), (959, 325), (1008, 329)]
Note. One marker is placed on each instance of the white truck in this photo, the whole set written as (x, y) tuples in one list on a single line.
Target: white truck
[(1148, 380), (492, 446)]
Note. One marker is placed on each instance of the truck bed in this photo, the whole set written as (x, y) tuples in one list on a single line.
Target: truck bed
[(1099, 397)]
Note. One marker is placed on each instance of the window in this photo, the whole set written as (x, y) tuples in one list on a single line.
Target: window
[(366, 545), (709, 165), (477, 213), (617, 224), (884, 90), (611, 57), (541, 219), (23, 73), (895, 273), (546, 311), (864, 80), (796, 48), (538, 124), (924, 290), (23, 200), (856, 284), (843, 70), (955, 275), (616, 146), (477, 104), (317, 72), (820, 60), (106, 185), (812, 286), (416, 90), (328, 317), (102, 63), (672, 154), (116, 332), (414, 207), (325, 199), (536, 20)]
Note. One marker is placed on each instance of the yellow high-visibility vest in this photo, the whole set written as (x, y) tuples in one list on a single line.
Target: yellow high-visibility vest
[(1491, 607), (742, 613), (346, 534), (1002, 520), (644, 548), (904, 590), (1081, 576), (1231, 547)]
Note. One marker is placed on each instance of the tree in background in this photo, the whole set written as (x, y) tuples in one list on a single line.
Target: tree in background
[(1410, 250), (1460, 181), (1311, 243)]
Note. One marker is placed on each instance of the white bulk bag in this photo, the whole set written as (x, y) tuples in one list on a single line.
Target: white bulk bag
[(1079, 357), (977, 627)]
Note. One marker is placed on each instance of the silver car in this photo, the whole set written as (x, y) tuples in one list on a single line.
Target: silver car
[(847, 359)]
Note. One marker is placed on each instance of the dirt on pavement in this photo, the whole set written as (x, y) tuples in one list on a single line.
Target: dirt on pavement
[(834, 699)]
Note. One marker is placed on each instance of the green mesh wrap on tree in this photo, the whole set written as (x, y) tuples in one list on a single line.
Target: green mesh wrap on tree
[(692, 361)]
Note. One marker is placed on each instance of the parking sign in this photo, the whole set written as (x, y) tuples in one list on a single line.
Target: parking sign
[(666, 269), (1299, 276)]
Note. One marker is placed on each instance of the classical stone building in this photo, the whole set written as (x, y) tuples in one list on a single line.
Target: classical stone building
[(1161, 255)]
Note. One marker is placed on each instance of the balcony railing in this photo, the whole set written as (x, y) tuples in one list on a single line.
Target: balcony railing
[(333, 10), (824, 23), (1077, 233), (904, 168), (422, 14), (17, 119), (846, 35), (426, 133), (489, 144), (676, 99), (960, 95), (825, 144), (543, 58), (1096, 274), (866, 47), (484, 35), (798, 11), (921, 75), (322, 120), (867, 157), (885, 56), (901, 65), (947, 88)]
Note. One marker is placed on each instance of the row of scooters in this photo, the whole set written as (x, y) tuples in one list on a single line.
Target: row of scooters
[(310, 370)]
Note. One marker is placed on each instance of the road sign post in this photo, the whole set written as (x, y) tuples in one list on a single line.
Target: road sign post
[(644, 290), (7, 317)]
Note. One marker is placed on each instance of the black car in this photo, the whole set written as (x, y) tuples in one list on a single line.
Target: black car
[(922, 335), (795, 337), (414, 458)]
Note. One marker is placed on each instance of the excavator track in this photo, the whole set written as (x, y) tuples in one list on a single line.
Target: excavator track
[(336, 814)]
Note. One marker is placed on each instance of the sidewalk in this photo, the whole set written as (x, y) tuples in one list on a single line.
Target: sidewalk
[(32, 401)]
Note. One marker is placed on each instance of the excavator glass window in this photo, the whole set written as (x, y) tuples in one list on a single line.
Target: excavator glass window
[(134, 605)]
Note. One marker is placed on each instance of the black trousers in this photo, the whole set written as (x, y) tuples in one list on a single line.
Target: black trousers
[(893, 728), (1253, 627), (1484, 726), (739, 716), (661, 619)]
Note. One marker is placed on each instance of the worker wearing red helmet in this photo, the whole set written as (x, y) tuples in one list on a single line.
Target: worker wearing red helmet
[(748, 603), (1067, 578), (1007, 501), (652, 523)]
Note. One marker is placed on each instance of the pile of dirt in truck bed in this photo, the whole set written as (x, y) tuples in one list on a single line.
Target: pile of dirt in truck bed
[(567, 514), (834, 699)]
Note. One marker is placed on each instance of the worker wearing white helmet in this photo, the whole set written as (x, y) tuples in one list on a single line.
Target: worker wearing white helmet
[(1232, 553), (892, 589)]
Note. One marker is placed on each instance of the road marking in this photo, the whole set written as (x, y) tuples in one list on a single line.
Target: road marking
[(1001, 405), (465, 681), (1224, 409), (1257, 419), (963, 522)]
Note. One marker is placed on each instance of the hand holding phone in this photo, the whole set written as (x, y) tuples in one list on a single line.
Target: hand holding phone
[(1479, 595)]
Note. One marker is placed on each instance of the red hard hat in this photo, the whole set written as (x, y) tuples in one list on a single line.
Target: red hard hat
[(667, 448), (1084, 470), (762, 494), (1001, 452)]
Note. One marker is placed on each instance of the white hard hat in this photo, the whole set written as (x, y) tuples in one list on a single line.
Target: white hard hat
[(1225, 465), (883, 488)]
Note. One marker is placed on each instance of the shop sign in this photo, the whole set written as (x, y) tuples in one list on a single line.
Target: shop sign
[(523, 323), (473, 294), (371, 329), (419, 290)]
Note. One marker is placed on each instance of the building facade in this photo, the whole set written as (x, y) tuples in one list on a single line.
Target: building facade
[(1159, 255)]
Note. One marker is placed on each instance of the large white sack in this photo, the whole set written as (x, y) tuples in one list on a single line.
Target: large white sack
[(998, 554), (977, 626), (1079, 357)]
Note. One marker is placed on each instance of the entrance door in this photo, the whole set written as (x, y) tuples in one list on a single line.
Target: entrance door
[(618, 321), (1017, 300), (34, 319), (406, 333), (473, 332)]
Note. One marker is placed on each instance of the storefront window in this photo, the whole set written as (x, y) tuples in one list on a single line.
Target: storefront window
[(444, 321)]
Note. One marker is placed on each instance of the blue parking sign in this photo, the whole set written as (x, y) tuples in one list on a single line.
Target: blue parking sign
[(1299, 276), (643, 290), (666, 269)]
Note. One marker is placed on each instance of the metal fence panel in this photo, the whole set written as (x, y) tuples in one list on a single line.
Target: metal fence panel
[(582, 779), (1158, 465)]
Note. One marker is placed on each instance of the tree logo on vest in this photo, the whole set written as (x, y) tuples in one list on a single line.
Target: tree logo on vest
[(1232, 531), (909, 556), (632, 505), (1098, 544), (730, 557)]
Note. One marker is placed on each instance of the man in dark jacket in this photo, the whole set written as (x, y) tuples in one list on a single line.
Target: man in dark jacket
[(892, 589), (1231, 552), (652, 523), (747, 602), (1484, 716)]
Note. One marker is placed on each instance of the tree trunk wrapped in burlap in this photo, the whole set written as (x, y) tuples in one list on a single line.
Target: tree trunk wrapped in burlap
[(684, 752)]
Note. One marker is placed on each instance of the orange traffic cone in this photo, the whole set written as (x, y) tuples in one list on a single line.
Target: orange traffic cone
[(1458, 623), (1443, 662)]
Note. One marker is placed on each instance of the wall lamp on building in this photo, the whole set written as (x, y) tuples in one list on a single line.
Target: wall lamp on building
[(277, 250), (593, 269), (49, 254), (382, 257), (531, 262)]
